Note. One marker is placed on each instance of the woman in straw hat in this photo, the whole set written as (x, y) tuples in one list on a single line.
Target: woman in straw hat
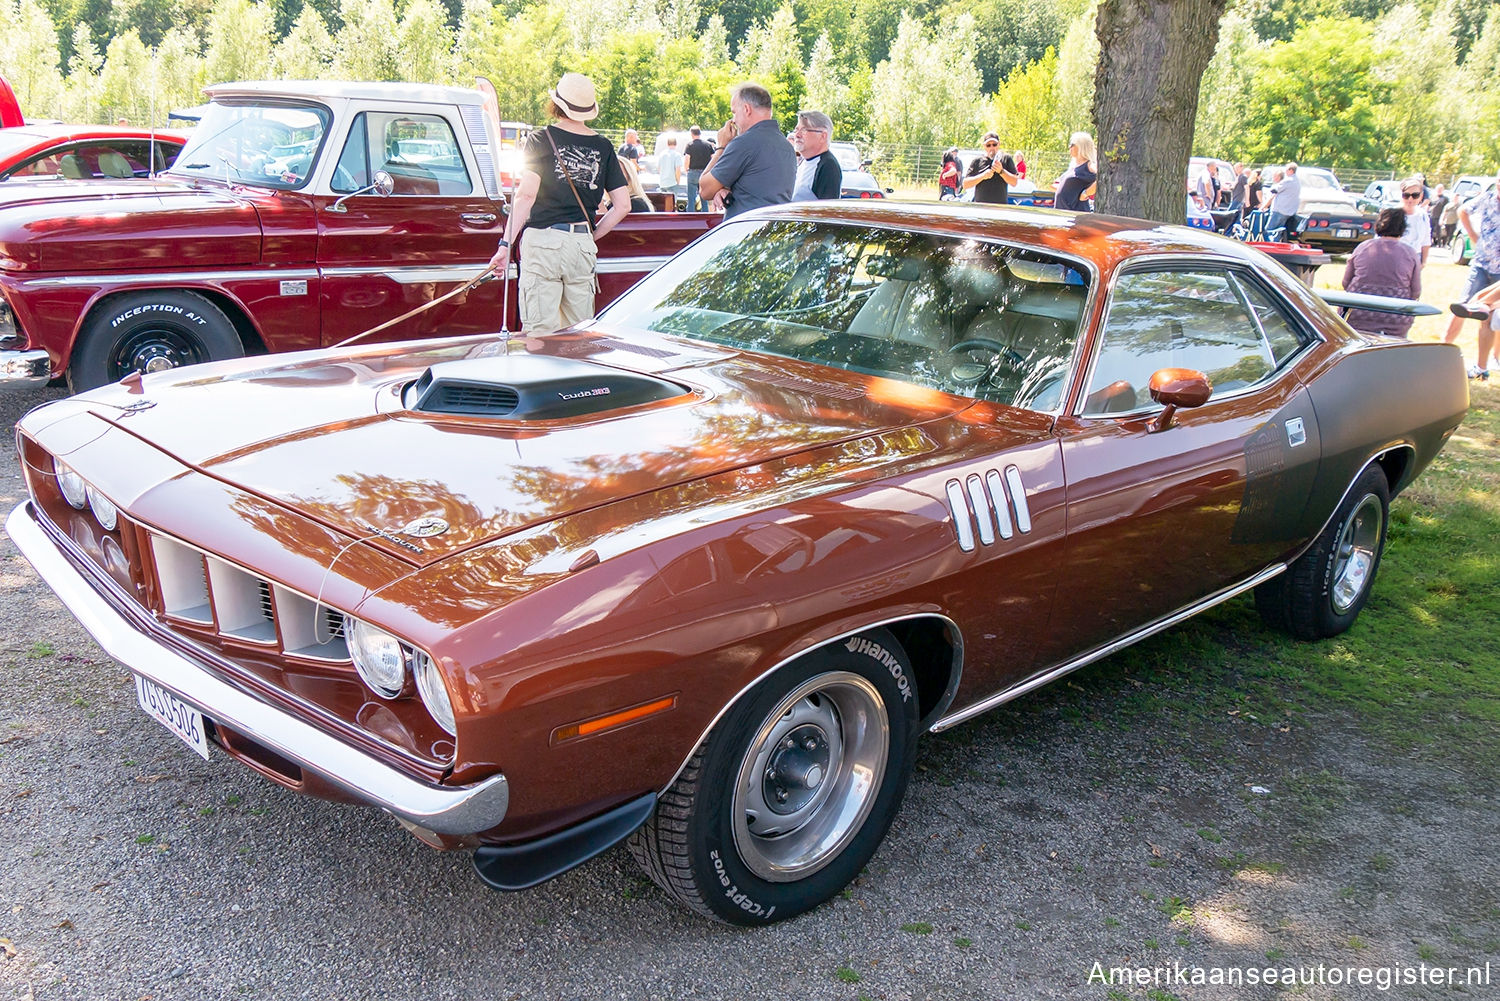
[(568, 169)]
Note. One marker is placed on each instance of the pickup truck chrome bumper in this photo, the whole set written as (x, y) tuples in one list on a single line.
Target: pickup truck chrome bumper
[(25, 368), (457, 810)]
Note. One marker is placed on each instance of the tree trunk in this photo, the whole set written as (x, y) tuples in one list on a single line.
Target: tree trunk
[(1152, 54)]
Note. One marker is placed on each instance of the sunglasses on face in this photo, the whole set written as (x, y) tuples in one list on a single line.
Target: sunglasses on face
[(1411, 194)]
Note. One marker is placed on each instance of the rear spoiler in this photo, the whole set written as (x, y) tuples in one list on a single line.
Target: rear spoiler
[(1376, 303)]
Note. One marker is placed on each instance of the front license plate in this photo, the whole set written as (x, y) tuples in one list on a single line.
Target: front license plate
[(177, 716), (1343, 234)]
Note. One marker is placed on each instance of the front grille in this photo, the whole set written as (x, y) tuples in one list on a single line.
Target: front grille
[(204, 590)]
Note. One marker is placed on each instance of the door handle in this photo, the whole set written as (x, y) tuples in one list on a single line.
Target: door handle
[(478, 218)]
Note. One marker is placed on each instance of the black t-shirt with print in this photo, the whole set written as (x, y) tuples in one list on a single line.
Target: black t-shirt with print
[(589, 160), (992, 189)]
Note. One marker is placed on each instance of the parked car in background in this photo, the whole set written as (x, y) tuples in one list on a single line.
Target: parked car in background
[(31, 152), (699, 574), (1329, 217), (1026, 192)]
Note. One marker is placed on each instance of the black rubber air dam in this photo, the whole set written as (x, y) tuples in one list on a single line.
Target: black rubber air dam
[(520, 867)]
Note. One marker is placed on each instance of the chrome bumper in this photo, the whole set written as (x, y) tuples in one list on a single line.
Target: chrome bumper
[(457, 810), (25, 368)]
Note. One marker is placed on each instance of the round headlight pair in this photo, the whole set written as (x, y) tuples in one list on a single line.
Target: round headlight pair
[(104, 509), (384, 663)]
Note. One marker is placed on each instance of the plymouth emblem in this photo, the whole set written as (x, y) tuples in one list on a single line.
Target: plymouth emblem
[(425, 528)]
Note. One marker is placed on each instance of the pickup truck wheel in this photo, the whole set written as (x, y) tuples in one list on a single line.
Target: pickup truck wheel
[(790, 794), (1322, 592), (150, 332)]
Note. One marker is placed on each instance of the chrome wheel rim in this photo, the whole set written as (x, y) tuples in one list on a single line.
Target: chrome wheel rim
[(1354, 562), (810, 776)]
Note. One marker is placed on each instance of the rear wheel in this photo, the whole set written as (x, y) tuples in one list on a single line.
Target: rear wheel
[(1321, 594), (790, 794), (150, 332)]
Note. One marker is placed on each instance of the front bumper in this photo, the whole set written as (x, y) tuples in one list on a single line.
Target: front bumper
[(459, 810), (25, 368)]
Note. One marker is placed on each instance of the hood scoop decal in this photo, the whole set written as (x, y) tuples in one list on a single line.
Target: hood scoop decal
[(532, 388)]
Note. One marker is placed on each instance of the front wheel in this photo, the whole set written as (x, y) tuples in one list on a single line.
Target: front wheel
[(790, 794), (1322, 592), (150, 332)]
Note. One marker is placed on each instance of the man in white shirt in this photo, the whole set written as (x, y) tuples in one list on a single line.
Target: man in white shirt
[(669, 168), (818, 172)]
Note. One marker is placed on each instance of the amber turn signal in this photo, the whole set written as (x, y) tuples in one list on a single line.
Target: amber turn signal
[(616, 719)]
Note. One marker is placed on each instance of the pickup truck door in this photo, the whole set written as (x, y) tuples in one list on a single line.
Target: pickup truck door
[(383, 256)]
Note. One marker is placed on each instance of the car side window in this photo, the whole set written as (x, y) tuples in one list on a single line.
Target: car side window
[(1200, 319), (420, 152)]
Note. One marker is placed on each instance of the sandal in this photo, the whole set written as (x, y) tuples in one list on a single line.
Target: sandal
[(1470, 311)]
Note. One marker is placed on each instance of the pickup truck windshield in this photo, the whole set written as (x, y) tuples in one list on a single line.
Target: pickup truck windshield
[(956, 314), (263, 144)]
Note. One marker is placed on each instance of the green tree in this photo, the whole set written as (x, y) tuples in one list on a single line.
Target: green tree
[(81, 98), (29, 57), (771, 55), (877, 23), (365, 47), (1024, 111), (424, 44), (126, 81), (1325, 95), (239, 42), (179, 68), (925, 94), (1077, 60), (1227, 84), (305, 51), (624, 72), (1010, 35), (1418, 116), (523, 57)]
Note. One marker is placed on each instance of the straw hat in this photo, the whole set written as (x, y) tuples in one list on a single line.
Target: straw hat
[(574, 96)]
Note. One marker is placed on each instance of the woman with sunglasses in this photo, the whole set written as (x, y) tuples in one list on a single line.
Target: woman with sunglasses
[(991, 175), (1418, 235)]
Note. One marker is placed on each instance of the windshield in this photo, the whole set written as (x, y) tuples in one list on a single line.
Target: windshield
[(847, 155), (955, 314), (264, 144)]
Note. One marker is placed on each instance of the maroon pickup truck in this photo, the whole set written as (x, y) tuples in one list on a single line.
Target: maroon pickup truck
[(267, 234)]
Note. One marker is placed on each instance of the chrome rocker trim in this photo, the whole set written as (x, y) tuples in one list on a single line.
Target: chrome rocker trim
[(1099, 653), (458, 810)]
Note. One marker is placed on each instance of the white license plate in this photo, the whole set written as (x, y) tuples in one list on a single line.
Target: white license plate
[(177, 716), (1343, 234)]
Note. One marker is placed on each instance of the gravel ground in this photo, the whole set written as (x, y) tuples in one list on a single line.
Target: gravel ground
[(1035, 842)]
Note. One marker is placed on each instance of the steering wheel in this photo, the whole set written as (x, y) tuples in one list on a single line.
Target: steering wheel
[(987, 344)]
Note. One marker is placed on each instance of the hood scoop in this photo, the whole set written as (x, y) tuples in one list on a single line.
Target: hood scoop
[(532, 388)]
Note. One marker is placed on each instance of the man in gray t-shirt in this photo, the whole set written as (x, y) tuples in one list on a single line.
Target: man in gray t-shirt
[(754, 165), (1286, 198)]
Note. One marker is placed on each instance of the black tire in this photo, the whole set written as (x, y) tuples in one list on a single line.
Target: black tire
[(152, 332), (1321, 594), (702, 845)]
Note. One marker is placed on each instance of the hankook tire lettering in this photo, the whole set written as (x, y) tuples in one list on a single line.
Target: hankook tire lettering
[(883, 657)]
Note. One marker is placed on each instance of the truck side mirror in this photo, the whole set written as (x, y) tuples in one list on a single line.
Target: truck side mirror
[(383, 185)]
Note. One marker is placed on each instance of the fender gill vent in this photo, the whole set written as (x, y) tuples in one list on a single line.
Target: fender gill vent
[(532, 387), (824, 389)]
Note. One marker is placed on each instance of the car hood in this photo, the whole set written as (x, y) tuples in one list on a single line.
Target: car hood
[(99, 225), (333, 435), (1328, 200)]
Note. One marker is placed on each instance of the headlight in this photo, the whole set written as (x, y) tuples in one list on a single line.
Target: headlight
[(435, 693), (379, 658), (8, 329), (104, 509), (74, 490)]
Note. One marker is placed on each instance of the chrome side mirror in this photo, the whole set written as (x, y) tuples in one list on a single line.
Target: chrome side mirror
[(1177, 387), (383, 185)]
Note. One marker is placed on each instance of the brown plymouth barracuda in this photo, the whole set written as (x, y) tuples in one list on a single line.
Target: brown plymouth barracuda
[(700, 573)]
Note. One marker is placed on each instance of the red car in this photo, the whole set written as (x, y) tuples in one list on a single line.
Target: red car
[(700, 574), (85, 151)]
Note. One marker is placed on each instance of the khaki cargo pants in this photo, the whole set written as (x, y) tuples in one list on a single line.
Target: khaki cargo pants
[(557, 279)]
